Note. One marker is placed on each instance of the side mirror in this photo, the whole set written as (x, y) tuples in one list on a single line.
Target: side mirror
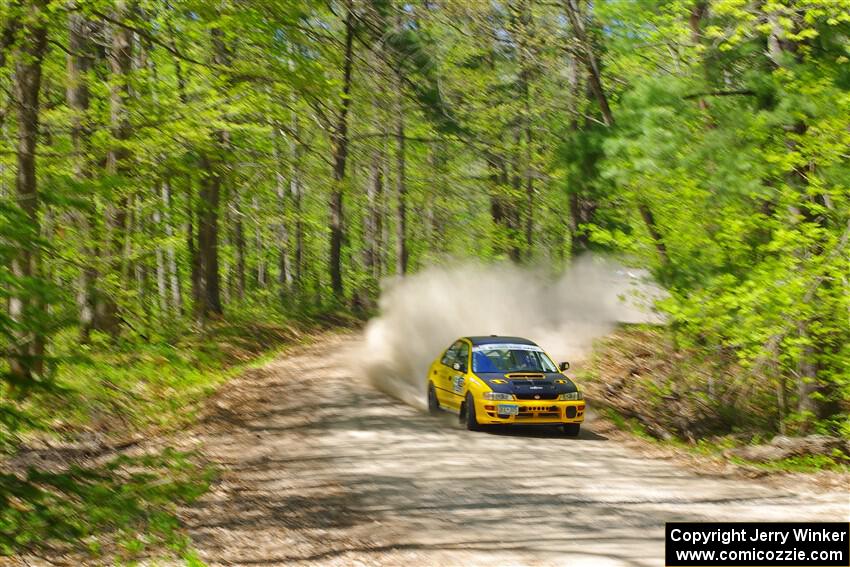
[(456, 366), (563, 366)]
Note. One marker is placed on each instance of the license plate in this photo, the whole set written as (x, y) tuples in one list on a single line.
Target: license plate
[(508, 409)]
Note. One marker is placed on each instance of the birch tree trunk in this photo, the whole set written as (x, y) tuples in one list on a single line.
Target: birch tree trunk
[(372, 232), (239, 242), (162, 291), (260, 274), (282, 189), (171, 255), (296, 185)]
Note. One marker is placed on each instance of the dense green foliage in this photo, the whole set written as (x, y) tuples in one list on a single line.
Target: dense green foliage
[(125, 496), (740, 150), (115, 389), (165, 164), (169, 165)]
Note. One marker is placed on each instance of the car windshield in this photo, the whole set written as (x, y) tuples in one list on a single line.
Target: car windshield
[(510, 358)]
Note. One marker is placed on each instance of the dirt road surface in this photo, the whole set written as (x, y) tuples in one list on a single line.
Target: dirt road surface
[(319, 468)]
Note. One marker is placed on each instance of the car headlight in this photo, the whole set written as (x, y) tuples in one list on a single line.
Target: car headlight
[(571, 397), (497, 396)]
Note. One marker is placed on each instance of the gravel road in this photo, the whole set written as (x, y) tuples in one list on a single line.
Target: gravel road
[(319, 468)]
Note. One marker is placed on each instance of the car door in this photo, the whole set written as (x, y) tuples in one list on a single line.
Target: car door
[(457, 377), (442, 373)]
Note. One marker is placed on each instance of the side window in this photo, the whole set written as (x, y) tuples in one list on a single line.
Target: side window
[(451, 354), (463, 357)]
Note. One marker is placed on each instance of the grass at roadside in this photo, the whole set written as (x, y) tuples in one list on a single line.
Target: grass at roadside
[(112, 390), (55, 500), (123, 509), (717, 447)]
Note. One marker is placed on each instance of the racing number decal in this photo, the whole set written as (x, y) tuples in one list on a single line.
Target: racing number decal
[(457, 384)]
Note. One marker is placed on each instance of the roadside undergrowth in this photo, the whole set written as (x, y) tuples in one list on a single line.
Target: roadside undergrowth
[(114, 392), (77, 480), (706, 405), (123, 509)]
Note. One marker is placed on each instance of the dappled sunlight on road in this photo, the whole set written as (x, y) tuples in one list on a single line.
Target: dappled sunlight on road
[(319, 468)]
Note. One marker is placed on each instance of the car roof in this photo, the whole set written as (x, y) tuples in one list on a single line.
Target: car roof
[(491, 339)]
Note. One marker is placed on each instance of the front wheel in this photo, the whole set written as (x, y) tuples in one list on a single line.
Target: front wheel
[(433, 402), (471, 421), (571, 429)]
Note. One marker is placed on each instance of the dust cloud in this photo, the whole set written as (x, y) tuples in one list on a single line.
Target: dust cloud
[(420, 315)]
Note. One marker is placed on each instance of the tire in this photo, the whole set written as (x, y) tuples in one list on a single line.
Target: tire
[(433, 402), (571, 429), (469, 410)]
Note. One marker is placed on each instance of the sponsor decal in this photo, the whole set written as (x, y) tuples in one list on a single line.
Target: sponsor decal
[(457, 384), (505, 346)]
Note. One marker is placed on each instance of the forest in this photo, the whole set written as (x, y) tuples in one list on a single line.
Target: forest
[(168, 167)]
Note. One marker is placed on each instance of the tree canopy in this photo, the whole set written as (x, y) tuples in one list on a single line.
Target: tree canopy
[(166, 162)]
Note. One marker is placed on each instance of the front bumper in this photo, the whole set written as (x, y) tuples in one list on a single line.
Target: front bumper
[(531, 412)]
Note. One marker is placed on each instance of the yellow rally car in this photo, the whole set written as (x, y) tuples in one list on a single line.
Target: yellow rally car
[(505, 380)]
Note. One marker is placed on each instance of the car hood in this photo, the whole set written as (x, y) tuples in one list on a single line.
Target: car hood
[(528, 383)]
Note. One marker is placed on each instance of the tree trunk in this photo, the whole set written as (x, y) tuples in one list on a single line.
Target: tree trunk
[(297, 188), (401, 184), (209, 295), (529, 186), (516, 163), (194, 258), (372, 232), (191, 244), (80, 61), (503, 210), (27, 308), (382, 228), (809, 390), (120, 62), (340, 156), (209, 280), (525, 42), (171, 256), (588, 57), (260, 274), (239, 242), (161, 276), (136, 264), (582, 207), (698, 12), (436, 211), (284, 278)]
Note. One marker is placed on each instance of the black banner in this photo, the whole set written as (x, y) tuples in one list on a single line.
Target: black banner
[(753, 544)]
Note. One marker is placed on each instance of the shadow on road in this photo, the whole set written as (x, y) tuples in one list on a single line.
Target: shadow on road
[(321, 469), (542, 432)]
